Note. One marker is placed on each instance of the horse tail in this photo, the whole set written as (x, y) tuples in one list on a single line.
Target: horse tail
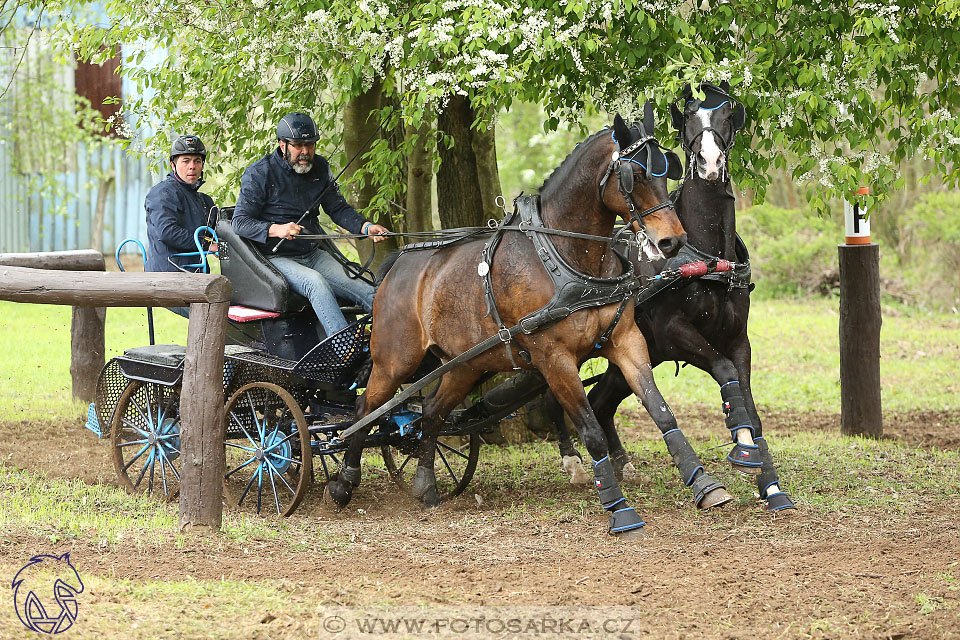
[(387, 265)]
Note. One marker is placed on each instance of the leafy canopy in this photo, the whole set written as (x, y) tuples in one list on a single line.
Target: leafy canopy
[(837, 92)]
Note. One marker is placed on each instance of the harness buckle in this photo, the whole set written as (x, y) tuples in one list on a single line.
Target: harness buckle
[(504, 334)]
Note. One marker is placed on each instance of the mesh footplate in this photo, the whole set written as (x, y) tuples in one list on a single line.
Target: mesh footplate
[(338, 358)]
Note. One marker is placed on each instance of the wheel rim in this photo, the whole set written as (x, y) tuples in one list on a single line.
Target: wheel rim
[(145, 439), (268, 463), (454, 465)]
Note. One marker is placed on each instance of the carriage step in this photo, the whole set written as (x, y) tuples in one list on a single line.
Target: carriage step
[(92, 422)]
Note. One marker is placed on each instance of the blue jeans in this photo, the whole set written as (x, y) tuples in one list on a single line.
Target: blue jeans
[(319, 278)]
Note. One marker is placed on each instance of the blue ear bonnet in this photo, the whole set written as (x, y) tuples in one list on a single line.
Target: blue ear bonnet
[(656, 156)]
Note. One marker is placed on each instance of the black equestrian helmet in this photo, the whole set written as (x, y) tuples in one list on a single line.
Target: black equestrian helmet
[(297, 127), (188, 145)]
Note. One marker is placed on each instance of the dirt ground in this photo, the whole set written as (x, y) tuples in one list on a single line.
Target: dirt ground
[(733, 573)]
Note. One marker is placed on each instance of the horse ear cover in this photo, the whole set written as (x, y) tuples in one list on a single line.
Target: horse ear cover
[(674, 166), (621, 132), (677, 117), (739, 117)]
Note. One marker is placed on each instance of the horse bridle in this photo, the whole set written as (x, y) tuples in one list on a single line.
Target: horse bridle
[(625, 177), (724, 143)]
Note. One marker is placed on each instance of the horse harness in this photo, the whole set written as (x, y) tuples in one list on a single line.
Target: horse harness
[(572, 289)]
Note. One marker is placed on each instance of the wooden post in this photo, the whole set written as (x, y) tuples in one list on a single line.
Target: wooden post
[(860, 320), (87, 349), (201, 417)]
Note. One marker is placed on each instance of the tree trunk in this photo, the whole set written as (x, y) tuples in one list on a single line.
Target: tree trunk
[(485, 149), (459, 198), (358, 125), (420, 180), (96, 232)]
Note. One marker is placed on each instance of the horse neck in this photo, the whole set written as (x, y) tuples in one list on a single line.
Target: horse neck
[(580, 215), (708, 214)]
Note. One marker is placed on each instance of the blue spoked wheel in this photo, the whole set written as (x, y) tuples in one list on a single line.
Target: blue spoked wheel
[(145, 439), (269, 464), (455, 462)]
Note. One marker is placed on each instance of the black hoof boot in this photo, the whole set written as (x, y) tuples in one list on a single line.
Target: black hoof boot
[(623, 518), (772, 502), (339, 492), (778, 502)]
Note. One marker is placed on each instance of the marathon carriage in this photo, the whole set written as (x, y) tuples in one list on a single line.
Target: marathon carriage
[(288, 399)]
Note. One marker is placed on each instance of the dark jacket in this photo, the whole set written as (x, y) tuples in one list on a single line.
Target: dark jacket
[(174, 211), (271, 192)]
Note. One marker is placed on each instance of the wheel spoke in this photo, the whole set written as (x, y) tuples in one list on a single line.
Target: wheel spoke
[(131, 442), (172, 468), (249, 484), (163, 472), (239, 446), (456, 480), (273, 486), (234, 470), (153, 464), (243, 428), (277, 444), (400, 468), (453, 450), (275, 471), (145, 466), (127, 423), (259, 487), (256, 420), (146, 419), (326, 471), (134, 459)]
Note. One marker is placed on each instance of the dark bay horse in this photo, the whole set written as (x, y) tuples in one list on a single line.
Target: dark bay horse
[(433, 301), (702, 321)]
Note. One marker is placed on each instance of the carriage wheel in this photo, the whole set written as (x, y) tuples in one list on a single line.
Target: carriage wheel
[(268, 459), (456, 460), (145, 439)]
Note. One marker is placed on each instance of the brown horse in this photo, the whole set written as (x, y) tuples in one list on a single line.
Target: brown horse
[(432, 301)]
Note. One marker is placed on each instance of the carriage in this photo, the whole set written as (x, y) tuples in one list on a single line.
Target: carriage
[(288, 397)]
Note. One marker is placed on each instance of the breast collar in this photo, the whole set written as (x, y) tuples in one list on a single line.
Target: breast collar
[(573, 290)]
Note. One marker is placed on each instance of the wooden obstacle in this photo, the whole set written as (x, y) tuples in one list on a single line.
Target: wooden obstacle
[(79, 280)]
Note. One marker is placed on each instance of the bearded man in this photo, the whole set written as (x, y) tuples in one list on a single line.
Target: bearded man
[(275, 192)]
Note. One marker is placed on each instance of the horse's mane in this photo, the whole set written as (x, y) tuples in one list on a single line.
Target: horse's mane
[(572, 158)]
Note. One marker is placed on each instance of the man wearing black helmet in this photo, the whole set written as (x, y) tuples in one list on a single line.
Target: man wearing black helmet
[(175, 208), (275, 191)]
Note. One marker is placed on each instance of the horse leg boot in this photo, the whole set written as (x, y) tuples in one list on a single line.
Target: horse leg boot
[(707, 492), (564, 381), (570, 459), (745, 456), (768, 483)]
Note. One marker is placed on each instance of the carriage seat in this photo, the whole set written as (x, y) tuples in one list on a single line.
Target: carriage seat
[(256, 282)]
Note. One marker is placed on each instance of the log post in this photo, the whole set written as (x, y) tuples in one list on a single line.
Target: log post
[(87, 350), (860, 320), (201, 417)]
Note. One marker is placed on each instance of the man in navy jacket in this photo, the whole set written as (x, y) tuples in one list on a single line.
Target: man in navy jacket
[(175, 208), (275, 191)]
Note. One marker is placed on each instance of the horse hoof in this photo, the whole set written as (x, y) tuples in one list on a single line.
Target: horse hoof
[(574, 468), (716, 498), (632, 534), (338, 492), (747, 471), (431, 500), (629, 473)]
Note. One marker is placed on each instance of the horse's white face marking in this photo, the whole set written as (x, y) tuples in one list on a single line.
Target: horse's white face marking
[(710, 158)]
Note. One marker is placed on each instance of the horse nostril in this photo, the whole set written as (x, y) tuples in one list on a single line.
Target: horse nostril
[(670, 246)]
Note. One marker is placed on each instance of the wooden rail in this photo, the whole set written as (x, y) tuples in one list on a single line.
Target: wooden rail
[(201, 406)]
